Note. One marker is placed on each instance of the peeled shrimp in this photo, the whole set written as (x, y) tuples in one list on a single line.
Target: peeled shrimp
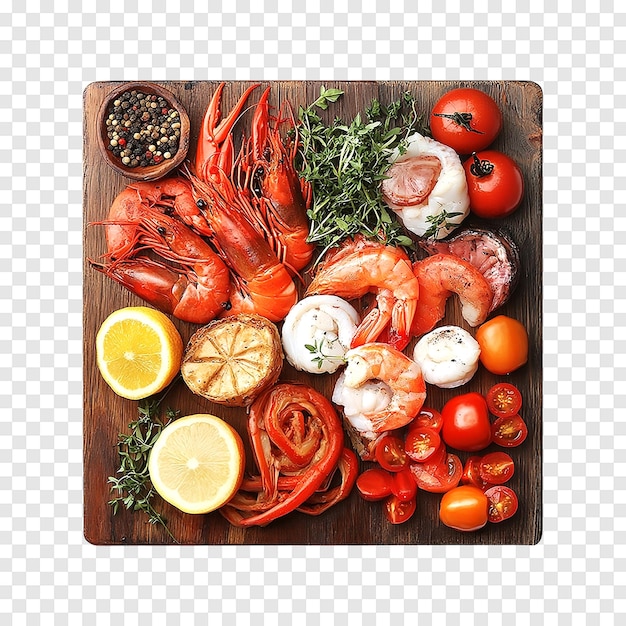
[(381, 389), (317, 333), (426, 187), (441, 275), (361, 266), (448, 356)]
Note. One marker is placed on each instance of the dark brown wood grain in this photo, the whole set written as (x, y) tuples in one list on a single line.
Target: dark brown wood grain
[(353, 521)]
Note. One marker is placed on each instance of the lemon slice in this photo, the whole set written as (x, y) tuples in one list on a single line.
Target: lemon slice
[(138, 351), (197, 463)]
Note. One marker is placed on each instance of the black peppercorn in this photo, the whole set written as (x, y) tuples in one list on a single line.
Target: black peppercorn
[(137, 121)]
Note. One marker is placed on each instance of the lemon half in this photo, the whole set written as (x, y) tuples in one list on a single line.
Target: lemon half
[(197, 463), (138, 351)]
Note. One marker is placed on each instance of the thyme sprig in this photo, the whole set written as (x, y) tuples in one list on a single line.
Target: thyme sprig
[(440, 221), (133, 486), (316, 349), (346, 163)]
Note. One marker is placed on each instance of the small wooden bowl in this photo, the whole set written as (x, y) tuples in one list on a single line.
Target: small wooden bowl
[(152, 172)]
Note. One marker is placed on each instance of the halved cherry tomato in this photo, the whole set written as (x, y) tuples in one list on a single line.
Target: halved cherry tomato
[(503, 503), (509, 431), (398, 511), (495, 184), (403, 485), (504, 399), (496, 468), (438, 477), (374, 484), (471, 472), (421, 443), (390, 454), (466, 424), (503, 344), (466, 119), (427, 418), (464, 508)]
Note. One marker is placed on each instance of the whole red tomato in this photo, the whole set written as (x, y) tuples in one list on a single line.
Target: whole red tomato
[(466, 424), (494, 183), (466, 119), (464, 508)]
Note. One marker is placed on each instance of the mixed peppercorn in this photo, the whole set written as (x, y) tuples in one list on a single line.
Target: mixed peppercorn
[(143, 129)]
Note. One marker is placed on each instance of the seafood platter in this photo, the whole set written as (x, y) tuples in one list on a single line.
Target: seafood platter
[(347, 282)]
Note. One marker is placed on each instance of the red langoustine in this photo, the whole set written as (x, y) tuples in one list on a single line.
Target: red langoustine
[(298, 444), (279, 196), (210, 203), (197, 289)]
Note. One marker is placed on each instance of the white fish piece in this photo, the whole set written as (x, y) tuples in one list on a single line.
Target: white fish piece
[(327, 325), (448, 356), (425, 185)]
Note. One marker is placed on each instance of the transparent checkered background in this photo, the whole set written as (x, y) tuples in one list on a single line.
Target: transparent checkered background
[(50, 575)]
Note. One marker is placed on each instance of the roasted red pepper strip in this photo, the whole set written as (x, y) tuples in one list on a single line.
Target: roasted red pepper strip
[(315, 418), (348, 467)]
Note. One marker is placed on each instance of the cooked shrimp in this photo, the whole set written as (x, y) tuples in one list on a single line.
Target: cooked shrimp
[(426, 187), (441, 275), (317, 333), (448, 356), (381, 389), (360, 266)]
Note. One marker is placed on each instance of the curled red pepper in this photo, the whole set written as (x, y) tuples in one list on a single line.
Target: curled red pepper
[(298, 443)]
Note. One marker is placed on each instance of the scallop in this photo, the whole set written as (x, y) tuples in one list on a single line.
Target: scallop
[(317, 333), (426, 188), (448, 356)]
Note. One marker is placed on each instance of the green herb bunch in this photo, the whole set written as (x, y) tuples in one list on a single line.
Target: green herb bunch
[(133, 486), (346, 163)]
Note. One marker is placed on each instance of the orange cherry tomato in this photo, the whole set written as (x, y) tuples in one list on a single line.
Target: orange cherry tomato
[(464, 508), (503, 344)]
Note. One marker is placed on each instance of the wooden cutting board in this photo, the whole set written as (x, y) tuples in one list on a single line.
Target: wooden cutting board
[(353, 521)]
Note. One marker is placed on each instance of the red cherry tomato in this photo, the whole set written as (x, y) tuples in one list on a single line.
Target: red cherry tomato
[(503, 503), (427, 418), (438, 477), (390, 454), (504, 399), (466, 423), (494, 183), (471, 472), (496, 468), (403, 485), (503, 344), (509, 431), (466, 119), (398, 511), (464, 508), (374, 484), (421, 443)]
